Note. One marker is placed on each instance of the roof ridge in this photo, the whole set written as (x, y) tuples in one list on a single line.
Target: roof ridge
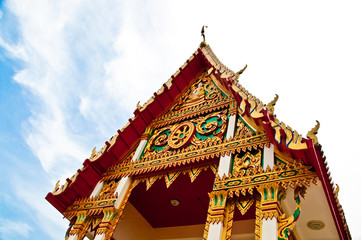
[(213, 59)]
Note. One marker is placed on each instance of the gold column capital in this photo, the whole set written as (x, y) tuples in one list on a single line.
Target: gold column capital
[(79, 226), (233, 108), (271, 195), (147, 133), (217, 206)]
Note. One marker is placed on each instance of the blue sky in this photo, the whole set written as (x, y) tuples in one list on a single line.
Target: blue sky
[(72, 72)]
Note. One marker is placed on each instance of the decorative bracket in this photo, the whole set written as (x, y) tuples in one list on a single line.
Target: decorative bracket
[(285, 225)]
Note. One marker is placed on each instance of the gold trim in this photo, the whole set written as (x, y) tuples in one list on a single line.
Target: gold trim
[(258, 223), (228, 221), (92, 206), (189, 155), (291, 175), (170, 177)]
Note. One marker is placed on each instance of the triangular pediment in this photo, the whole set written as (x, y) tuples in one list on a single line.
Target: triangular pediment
[(202, 95)]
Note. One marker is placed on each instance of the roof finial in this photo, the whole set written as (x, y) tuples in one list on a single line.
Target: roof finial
[(203, 43), (271, 105), (94, 153), (312, 133), (236, 76)]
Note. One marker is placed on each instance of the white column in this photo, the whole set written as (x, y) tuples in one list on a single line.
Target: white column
[(231, 127), (139, 150), (269, 229), (122, 190), (269, 226), (73, 237), (268, 157), (215, 231), (224, 167), (97, 189), (100, 236)]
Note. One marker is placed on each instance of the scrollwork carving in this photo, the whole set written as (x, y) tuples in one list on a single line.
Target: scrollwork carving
[(211, 127)]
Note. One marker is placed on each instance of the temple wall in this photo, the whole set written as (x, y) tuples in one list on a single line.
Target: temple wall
[(193, 232), (134, 226), (243, 230)]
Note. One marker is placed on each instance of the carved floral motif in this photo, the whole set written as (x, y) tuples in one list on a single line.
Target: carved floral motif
[(208, 128)]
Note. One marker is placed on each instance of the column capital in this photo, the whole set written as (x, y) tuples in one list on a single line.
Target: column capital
[(271, 195), (233, 108), (146, 135), (217, 206), (109, 215), (79, 226)]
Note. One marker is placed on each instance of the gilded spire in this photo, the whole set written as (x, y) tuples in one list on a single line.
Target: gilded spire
[(203, 43), (312, 133)]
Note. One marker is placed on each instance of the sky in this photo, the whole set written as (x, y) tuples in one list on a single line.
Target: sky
[(72, 72)]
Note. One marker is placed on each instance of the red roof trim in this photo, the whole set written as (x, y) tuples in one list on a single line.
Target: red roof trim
[(319, 164)]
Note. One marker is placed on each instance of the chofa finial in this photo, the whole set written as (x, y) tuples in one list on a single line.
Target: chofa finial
[(94, 153), (236, 76), (203, 43), (202, 33), (271, 104), (312, 133)]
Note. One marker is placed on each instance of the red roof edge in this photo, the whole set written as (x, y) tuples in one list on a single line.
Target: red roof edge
[(318, 161)]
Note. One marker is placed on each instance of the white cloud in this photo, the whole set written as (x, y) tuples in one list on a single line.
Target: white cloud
[(12, 229), (37, 209), (63, 69)]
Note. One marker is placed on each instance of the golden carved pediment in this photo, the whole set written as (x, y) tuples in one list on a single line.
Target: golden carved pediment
[(203, 91), (193, 132)]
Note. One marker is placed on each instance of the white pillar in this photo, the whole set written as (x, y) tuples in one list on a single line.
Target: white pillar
[(268, 157), (139, 150), (121, 190), (269, 229), (100, 236), (73, 237), (231, 127), (215, 231), (224, 167), (97, 189)]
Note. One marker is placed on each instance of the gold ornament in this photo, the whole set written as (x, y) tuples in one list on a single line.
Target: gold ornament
[(181, 135)]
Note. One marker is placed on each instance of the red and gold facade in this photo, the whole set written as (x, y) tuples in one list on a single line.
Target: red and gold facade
[(203, 159)]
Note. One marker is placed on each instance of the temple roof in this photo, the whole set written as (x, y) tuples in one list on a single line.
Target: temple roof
[(284, 138)]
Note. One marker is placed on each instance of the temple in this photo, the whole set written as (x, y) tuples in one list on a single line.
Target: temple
[(203, 159)]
